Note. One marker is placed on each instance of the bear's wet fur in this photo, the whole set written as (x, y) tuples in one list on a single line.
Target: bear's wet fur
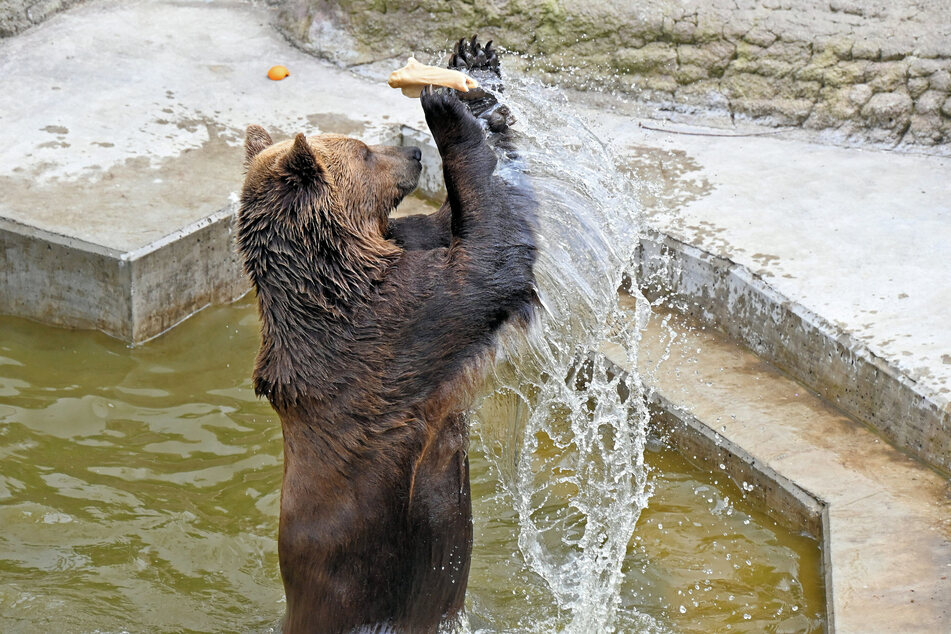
[(374, 332)]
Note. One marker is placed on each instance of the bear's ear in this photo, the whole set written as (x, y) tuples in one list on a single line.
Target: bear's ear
[(301, 166), (256, 139)]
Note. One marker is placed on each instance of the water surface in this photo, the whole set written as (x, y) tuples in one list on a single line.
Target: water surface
[(139, 491)]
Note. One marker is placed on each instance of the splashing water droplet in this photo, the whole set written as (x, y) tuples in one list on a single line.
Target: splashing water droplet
[(569, 427)]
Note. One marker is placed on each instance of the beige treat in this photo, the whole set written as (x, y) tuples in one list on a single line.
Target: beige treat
[(413, 77)]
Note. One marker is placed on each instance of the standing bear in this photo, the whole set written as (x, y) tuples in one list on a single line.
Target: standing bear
[(374, 333)]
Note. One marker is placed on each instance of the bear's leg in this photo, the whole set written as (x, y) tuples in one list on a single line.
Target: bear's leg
[(481, 62), (492, 218), (420, 232), (440, 515)]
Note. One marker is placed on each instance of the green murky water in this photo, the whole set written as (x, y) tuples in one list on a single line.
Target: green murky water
[(139, 492)]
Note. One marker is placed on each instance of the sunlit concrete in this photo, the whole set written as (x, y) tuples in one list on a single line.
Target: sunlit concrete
[(830, 262), (121, 126)]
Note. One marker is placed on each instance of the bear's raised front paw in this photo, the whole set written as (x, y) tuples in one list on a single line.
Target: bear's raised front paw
[(449, 120), (470, 55), (482, 64), (442, 105)]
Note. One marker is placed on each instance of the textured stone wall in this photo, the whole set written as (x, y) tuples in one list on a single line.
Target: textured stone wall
[(17, 15), (854, 69)]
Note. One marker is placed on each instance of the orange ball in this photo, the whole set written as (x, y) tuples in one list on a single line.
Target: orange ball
[(277, 73)]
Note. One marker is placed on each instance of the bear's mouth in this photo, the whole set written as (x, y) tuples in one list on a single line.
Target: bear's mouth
[(404, 189), (410, 181)]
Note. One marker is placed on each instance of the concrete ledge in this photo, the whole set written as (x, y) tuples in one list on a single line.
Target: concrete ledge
[(182, 273), (62, 281), (883, 518), (780, 497), (133, 295), (717, 291)]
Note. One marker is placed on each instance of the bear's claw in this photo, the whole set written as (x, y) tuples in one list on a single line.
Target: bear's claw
[(482, 64), (472, 56)]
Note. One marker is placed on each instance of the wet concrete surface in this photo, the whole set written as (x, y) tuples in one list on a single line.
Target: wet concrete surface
[(829, 262), (162, 197), (857, 236), (886, 517), (140, 104)]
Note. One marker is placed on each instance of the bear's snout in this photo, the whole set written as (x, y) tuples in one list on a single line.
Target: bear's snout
[(413, 168), (414, 153)]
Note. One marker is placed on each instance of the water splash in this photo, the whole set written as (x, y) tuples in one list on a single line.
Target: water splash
[(565, 431)]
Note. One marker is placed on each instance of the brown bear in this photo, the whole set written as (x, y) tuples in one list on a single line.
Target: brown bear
[(373, 334)]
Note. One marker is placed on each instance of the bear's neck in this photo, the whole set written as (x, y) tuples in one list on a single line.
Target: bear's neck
[(308, 301), (314, 270)]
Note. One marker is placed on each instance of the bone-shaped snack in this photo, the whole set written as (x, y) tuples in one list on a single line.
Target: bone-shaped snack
[(413, 77)]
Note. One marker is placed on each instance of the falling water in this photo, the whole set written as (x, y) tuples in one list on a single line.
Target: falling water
[(565, 431)]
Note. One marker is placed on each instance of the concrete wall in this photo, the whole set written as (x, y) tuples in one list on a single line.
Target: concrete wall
[(17, 15), (133, 296), (818, 354), (856, 69)]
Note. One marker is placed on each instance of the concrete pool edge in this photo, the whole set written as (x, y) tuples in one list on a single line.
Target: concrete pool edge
[(777, 495), (841, 370), (133, 295), (699, 443), (782, 498), (721, 293), (883, 518)]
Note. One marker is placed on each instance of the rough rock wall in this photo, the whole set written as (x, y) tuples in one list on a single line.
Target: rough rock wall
[(17, 15), (873, 70)]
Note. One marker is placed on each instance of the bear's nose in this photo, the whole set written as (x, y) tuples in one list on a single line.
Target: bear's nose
[(415, 153)]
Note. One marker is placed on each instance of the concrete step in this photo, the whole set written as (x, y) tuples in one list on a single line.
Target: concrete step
[(884, 519)]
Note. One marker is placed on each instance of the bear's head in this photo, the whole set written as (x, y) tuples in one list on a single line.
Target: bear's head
[(355, 184), (319, 205)]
